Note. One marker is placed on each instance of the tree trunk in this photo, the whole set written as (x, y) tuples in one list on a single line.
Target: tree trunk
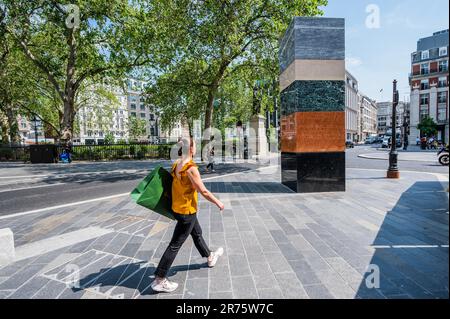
[(70, 90), (13, 125), (68, 118), (208, 116), (4, 128)]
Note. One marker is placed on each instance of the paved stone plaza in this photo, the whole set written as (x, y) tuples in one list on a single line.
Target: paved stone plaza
[(277, 244)]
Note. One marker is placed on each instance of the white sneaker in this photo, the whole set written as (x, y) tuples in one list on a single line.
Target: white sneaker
[(164, 285), (212, 260)]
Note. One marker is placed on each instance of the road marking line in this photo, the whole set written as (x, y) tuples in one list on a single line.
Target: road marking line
[(23, 176), (94, 173), (373, 156), (64, 205), (57, 242), (31, 187)]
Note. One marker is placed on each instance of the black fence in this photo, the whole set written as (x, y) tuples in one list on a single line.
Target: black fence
[(119, 151), (14, 153), (95, 152)]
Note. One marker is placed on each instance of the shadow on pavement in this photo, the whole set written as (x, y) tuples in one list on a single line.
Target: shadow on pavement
[(130, 275), (409, 252), (248, 187)]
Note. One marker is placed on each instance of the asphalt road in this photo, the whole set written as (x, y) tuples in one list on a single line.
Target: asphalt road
[(30, 187), (45, 186)]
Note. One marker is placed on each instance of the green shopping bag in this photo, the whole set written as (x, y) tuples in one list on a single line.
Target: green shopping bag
[(155, 192)]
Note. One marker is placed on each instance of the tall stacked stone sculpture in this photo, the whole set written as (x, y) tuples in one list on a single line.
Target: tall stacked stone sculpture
[(312, 85)]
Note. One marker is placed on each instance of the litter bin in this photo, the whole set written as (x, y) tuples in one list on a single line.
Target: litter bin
[(46, 153)]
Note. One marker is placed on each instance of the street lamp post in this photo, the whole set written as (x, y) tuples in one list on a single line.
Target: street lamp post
[(393, 171), (35, 129)]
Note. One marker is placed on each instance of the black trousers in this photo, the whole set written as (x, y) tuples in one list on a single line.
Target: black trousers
[(186, 225)]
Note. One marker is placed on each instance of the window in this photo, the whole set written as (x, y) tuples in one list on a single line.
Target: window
[(142, 115), (425, 55), (133, 114), (443, 51), (424, 68), (152, 117), (442, 113), (442, 82), (425, 85), (443, 66), (424, 98), (152, 131), (133, 106), (442, 97), (142, 106), (423, 111)]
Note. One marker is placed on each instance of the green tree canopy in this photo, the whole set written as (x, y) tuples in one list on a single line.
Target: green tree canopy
[(219, 39), (69, 45), (137, 128), (427, 126)]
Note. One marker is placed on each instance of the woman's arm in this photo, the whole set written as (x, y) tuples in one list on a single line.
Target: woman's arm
[(197, 182)]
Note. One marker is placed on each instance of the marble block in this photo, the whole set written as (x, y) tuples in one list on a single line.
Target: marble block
[(310, 96), (313, 38), (7, 251)]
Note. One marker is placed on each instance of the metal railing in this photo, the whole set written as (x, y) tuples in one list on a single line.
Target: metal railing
[(95, 152), (119, 152), (14, 153)]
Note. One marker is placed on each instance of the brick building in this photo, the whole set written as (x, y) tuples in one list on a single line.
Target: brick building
[(429, 84)]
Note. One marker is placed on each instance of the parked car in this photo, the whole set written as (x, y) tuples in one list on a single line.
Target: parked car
[(386, 142), (378, 140), (349, 144)]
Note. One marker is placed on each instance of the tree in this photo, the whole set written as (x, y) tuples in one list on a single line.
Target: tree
[(427, 126), (174, 99), (109, 138), (226, 36), (83, 41), (137, 128)]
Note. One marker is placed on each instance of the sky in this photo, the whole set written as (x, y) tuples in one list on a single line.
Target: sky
[(378, 53)]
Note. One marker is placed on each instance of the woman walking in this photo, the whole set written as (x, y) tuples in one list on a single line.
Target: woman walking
[(186, 183)]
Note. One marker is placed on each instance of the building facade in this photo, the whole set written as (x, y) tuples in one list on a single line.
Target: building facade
[(384, 116), (368, 117), (429, 84), (28, 128), (97, 119), (137, 108), (352, 108), (131, 104)]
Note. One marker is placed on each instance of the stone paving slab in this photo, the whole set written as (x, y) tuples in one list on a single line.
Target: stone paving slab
[(277, 244)]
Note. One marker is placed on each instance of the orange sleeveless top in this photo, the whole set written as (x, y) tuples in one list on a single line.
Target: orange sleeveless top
[(184, 195)]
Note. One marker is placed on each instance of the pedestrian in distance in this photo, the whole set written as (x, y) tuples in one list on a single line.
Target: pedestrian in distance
[(210, 156), (186, 185)]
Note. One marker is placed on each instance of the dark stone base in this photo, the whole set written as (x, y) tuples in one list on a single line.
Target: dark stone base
[(313, 172)]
